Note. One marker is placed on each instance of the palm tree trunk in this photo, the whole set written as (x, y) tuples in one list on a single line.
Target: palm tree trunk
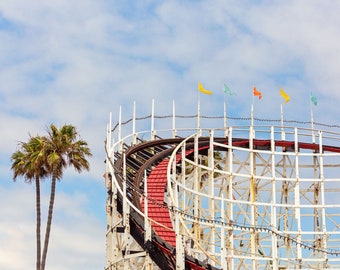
[(37, 198), (49, 222)]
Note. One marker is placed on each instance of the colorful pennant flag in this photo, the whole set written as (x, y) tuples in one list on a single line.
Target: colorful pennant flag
[(228, 91), (284, 95), (203, 90), (313, 99), (257, 93)]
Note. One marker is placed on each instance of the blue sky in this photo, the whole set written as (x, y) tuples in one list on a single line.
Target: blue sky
[(77, 61)]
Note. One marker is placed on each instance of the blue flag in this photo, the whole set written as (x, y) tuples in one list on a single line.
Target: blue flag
[(313, 99), (227, 90)]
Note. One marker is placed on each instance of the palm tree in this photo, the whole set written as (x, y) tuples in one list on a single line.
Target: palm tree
[(63, 149), (28, 162)]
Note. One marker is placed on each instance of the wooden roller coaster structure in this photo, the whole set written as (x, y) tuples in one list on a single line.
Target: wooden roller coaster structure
[(237, 197)]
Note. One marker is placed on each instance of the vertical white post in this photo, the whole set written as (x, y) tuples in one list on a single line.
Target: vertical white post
[(225, 118), (126, 216), (147, 223), (196, 188), (199, 132), (108, 183), (252, 197), (224, 263), (297, 200), (174, 132), (312, 121), (322, 190), (183, 178), (113, 219), (153, 132), (283, 135), (180, 252), (146, 211), (252, 129), (109, 142), (230, 197), (252, 114), (273, 218), (211, 192)]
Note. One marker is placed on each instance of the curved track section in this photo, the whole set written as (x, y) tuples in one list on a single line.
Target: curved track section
[(225, 201), (152, 158)]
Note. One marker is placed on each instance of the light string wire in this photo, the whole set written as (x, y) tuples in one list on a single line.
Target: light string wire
[(229, 118)]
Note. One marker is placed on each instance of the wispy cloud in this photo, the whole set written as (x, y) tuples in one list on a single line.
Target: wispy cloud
[(73, 227)]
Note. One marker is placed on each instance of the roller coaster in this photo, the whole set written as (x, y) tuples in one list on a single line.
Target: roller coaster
[(185, 196)]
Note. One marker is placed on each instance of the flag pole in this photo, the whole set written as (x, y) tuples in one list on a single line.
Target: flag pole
[(225, 116), (252, 112), (199, 112), (173, 119), (283, 136), (228, 92), (252, 132), (312, 121)]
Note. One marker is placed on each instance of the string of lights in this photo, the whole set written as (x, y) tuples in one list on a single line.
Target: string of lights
[(228, 118)]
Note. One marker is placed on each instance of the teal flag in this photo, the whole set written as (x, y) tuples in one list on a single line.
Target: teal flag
[(227, 90), (313, 99)]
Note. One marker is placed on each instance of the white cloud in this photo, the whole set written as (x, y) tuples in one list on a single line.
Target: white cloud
[(77, 238)]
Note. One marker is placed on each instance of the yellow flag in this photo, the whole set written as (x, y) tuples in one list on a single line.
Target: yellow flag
[(201, 89), (284, 95)]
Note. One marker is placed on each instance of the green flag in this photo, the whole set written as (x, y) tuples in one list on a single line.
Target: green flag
[(227, 90), (313, 99)]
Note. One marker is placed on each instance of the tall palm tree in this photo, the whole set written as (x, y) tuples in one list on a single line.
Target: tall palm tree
[(63, 149), (28, 162)]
